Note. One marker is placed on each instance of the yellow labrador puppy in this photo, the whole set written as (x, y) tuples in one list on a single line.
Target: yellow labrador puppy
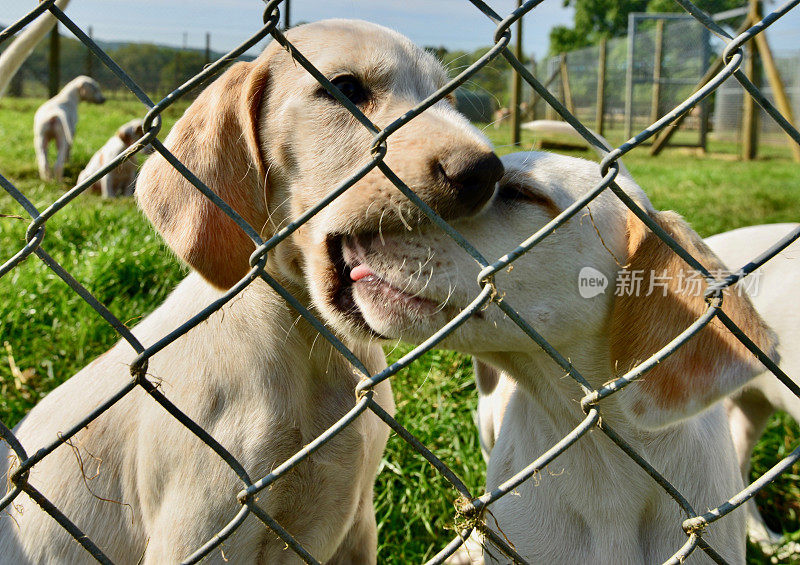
[(271, 142), (593, 504)]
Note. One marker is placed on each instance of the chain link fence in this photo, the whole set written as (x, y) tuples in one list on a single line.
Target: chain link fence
[(470, 506), (659, 64), (654, 68), (728, 102)]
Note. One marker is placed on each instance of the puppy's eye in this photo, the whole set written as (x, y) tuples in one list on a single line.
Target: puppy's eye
[(510, 192), (352, 88)]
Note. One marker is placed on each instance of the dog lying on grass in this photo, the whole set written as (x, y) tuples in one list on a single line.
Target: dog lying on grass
[(121, 180)]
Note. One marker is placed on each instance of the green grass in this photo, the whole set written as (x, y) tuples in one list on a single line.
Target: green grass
[(414, 504), (112, 250), (714, 192), (108, 246)]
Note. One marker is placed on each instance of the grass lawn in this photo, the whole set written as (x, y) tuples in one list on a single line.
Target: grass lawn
[(48, 332)]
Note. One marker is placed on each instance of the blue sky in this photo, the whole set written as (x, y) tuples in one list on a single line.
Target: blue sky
[(456, 24)]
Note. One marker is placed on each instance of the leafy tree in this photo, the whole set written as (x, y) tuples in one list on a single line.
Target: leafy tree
[(596, 19), (181, 67), (156, 68)]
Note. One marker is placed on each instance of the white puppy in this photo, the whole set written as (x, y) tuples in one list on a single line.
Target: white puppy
[(272, 143), (120, 180), (55, 120), (772, 291), (749, 408), (593, 504)]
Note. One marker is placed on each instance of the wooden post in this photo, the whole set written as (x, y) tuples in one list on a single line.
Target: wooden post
[(775, 82), (208, 47), (90, 56), (54, 83), (565, 84), (629, 76), (516, 86), (663, 138), (749, 111), (600, 113), (655, 110)]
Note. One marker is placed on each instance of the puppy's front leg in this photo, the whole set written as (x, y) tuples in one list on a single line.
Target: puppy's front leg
[(360, 542), (189, 518)]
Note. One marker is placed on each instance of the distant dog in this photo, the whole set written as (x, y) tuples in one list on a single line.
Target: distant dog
[(55, 120), (500, 115), (120, 180)]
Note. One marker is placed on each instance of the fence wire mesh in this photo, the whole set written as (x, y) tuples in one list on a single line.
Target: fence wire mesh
[(469, 506), (728, 101), (678, 46)]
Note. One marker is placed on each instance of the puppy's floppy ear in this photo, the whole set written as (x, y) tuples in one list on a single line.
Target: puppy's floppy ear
[(713, 363), (217, 139), (129, 134)]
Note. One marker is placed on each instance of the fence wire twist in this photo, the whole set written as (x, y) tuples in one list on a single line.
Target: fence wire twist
[(468, 506)]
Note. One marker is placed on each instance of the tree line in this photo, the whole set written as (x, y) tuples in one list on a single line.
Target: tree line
[(603, 19), (157, 69)]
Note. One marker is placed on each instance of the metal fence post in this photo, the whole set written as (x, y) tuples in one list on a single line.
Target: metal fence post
[(89, 56), (600, 112), (534, 98), (704, 105), (516, 86), (659, 45), (629, 76)]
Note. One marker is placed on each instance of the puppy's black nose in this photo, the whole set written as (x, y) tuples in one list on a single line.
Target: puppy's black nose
[(473, 176)]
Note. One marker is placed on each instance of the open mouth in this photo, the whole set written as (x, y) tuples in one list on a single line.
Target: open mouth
[(341, 293), (357, 285)]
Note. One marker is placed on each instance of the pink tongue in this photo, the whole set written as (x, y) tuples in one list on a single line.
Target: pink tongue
[(360, 272)]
